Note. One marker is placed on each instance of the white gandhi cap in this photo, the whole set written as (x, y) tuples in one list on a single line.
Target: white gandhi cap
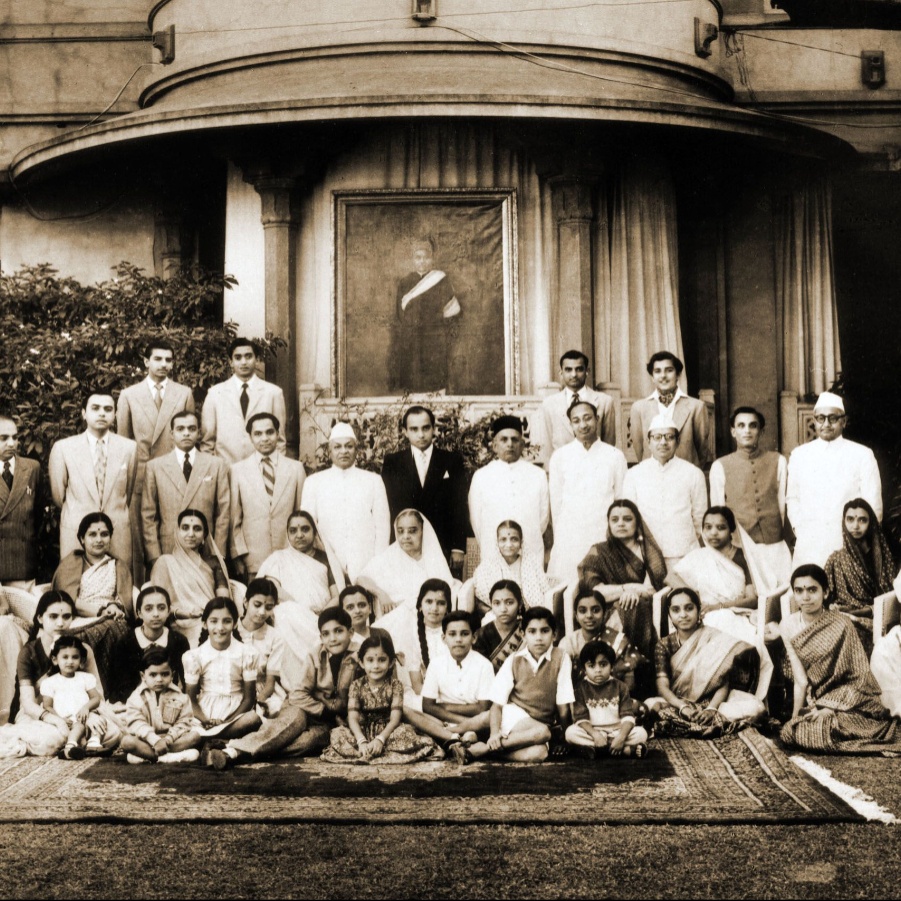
[(661, 423), (829, 401), (340, 431)]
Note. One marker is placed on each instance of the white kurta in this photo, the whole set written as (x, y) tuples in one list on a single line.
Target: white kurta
[(583, 484), (351, 511), (822, 477), (672, 499), (516, 491)]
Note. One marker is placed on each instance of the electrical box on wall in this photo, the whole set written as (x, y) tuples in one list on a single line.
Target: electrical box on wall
[(872, 68)]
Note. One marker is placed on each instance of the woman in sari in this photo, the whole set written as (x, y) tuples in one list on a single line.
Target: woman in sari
[(192, 574), (861, 570), (696, 669), (102, 587), (719, 573), (837, 704), (627, 569), (509, 561)]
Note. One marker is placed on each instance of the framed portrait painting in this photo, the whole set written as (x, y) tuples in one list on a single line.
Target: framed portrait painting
[(425, 292)]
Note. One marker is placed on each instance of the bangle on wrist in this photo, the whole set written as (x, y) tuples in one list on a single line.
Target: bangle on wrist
[(41, 717)]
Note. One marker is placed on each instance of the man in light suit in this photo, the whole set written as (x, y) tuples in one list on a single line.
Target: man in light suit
[(688, 414), (433, 481), (550, 427), (143, 414), (229, 405), (265, 489), (181, 479), (94, 471), (19, 509)]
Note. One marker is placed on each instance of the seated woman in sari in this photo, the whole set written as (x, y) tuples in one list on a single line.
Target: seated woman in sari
[(102, 588), (304, 569), (395, 575), (32, 729), (719, 573), (626, 569), (861, 570), (837, 703), (509, 561), (192, 574), (697, 667)]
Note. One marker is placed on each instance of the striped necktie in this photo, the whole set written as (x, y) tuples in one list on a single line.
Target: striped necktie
[(268, 471), (157, 396), (100, 467)]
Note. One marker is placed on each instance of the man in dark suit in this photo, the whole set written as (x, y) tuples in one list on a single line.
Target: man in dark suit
[(19, 508), (430, 480)]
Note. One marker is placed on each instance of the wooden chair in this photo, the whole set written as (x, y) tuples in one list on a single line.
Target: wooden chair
[(886, 613), (22, 604)]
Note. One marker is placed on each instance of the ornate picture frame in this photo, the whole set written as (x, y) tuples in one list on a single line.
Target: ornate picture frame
[(425, 293)]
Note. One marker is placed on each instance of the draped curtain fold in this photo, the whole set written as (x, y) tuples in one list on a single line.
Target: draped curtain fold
[(805, 288), (636, 264)]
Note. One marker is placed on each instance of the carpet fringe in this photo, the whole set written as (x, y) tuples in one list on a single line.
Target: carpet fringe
[(853, 797)]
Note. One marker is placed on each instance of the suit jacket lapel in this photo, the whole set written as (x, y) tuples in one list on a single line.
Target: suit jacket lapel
[(113, 462), (174, 472), (198, 473), (680, 413), (164, 414), (436, 469), (14, 494), (254, 395), (6, 493), (84, 465)]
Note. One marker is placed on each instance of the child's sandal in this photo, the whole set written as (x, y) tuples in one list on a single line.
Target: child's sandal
[(641, 750), (469, 738)]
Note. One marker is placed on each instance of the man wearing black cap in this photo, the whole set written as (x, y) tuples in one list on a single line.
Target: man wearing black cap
[(509, 488)]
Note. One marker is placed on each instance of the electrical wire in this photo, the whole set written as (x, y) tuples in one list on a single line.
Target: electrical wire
[(116, 98)]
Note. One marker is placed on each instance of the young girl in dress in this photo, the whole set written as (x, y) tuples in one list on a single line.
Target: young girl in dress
[(503, 636), (256, 631), (374, 732), (590, 613), (358, 602), (221, 675), (71, 694), (153, 609)]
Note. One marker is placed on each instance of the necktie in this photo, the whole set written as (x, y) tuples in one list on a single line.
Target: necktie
[(268, 475), (100, 467), (245, 400), (186, 469), (7, 475), (157, 396), (422, 467)]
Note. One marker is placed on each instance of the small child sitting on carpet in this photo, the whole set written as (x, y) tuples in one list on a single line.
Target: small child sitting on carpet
[(159, 717), (603, 712), (71, 693), (374, 732), (532, 690)]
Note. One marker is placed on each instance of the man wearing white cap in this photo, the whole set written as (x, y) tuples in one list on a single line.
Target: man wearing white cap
[(822, 476), (509, 488), (349, 504), (670, 493)]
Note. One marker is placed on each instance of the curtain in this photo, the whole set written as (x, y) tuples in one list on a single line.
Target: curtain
[(636, 265), (427, 155), (805, 287)]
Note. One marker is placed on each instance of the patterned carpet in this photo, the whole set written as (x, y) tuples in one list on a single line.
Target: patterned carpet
[(739, 779)]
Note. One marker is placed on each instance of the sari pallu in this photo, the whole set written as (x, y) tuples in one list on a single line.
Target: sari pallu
[(840, 681), (701, 666), (612, 563)]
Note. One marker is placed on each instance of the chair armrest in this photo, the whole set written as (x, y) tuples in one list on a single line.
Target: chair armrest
[(657, 609), (886, 611), (466, 596)]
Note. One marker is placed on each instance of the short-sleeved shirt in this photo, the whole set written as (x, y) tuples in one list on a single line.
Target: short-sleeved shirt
[(466, 682), (69, 695), (221, 672)]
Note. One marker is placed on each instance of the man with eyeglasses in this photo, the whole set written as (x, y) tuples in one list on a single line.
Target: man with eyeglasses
[(822, 476), (670, 493)]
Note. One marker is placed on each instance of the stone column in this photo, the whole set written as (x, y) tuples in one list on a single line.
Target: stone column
[(573, 214), (279, 219)]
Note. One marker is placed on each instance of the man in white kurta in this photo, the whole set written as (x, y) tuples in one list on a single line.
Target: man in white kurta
[(823, 476), (349, 505), (550, 428), (670, 493), (509, 488), (586, 476)]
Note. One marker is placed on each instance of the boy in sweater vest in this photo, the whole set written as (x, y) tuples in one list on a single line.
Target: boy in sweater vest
[(532, 691)]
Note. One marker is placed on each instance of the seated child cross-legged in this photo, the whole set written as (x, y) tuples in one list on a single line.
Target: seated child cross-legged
[(316, 699), (603, 712), (221, 675), (71, 695), (374, 732), (159, 716), (456, 694), (532, 691)]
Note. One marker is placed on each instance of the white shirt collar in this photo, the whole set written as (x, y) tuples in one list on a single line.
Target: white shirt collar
[(259, 457), (237, 383), (92, 441), (12, 464), (570, 395), (180, 456), (525, 652), (151, 385), (655, 396), (144, 642)]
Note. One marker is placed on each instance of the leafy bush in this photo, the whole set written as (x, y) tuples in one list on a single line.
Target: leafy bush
[(62, 338)]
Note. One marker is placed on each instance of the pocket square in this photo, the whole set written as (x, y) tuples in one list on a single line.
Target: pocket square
[(446, 474), (208, 479), (28, 490)]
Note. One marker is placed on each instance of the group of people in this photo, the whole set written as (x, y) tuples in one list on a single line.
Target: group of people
[(282, 614)]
